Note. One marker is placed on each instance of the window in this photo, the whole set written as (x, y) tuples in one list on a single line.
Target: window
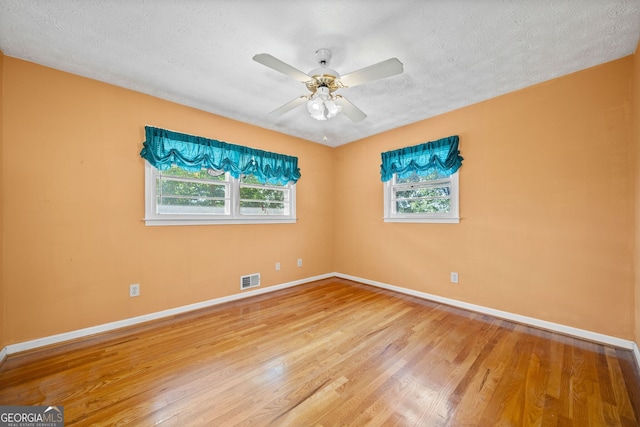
[(421, 182), (194, 180), (430, 198), (178, 197)]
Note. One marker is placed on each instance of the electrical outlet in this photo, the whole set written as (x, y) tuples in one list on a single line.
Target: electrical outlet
[(299, 262), (454, 277), (277, 266), (134, 290)]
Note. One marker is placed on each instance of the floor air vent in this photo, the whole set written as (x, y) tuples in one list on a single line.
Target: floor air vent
[(250, 281)]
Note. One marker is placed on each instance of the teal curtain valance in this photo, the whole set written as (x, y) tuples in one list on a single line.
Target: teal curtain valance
[(442, 155), (163, 148)]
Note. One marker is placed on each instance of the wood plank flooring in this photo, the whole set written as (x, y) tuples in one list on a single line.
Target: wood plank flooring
[(330, 353)]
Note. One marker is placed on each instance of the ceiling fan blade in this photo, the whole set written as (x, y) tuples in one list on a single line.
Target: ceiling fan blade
[(378, 71), (276, 64), (288, 106), (348, 109)]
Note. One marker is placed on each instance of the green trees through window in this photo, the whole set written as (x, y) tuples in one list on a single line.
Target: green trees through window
[(423, 194), (176, 188), (215, 193), (257, 198), (426, 198)]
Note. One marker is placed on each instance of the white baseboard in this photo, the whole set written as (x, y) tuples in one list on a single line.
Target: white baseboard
[(80, 333), (541, 324)]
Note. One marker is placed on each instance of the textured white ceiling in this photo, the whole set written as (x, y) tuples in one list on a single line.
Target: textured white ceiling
[(199, 52)]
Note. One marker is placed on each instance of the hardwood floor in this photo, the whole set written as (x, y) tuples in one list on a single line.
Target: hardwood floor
[(330, 353)]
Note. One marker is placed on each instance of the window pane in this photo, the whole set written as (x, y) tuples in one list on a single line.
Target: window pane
[(252, 193), (262, 208), (189, 188), (204, 174), (417, 178), (185, 201), (251, 179), (423, 206), (412, 193), (174, 205), (199, 193)]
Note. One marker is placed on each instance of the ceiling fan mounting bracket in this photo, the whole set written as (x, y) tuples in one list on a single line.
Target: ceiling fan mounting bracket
[(323, 56)]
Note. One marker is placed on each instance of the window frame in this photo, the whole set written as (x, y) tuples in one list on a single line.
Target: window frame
[(152, 218), (453, 217)]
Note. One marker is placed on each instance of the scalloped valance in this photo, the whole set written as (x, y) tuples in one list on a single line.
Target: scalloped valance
[(163, 148), (442, 155)]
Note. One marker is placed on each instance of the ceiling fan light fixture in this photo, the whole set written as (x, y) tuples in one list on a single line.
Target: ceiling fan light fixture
[(316, 109), (321, 105), (315, 105), (332, 109)]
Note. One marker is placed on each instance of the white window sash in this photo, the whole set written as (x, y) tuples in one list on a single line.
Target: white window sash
[(231, 216), (390, 215)]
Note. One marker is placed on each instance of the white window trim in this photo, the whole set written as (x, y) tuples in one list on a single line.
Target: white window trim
[(151, 218), (451, 218)]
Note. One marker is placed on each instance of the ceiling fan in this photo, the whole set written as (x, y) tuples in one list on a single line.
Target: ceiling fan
[(323, 103)]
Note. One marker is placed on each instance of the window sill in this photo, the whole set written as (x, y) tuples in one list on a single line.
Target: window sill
[(425, 220), (225, 221)]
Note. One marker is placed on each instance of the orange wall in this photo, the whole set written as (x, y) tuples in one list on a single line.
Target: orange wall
[(74, 203), (546, 199), (546, 235)]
